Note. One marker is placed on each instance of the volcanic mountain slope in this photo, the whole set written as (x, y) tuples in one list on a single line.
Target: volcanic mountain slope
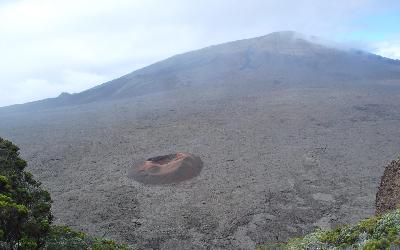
[(289, 133), (279, 57)]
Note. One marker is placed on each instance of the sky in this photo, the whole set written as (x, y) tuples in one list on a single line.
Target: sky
[(51, 46)]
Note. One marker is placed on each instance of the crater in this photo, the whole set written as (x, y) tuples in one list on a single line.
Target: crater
[(167, 169)]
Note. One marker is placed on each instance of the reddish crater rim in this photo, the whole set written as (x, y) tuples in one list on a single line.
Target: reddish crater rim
[(166, 159), (172, 168)]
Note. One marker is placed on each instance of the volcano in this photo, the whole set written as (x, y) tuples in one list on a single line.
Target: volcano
[(167, 169), (279, 58)]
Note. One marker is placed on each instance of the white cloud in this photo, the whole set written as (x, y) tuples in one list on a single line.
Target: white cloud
[(42, 40), (32, 89), (26, 90), (390, 49), (75, 81)]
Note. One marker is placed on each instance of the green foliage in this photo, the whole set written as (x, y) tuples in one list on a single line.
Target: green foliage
[(381, 232), (24, 205), (4, 183), (27, 243), (25, 216), (61, 237)]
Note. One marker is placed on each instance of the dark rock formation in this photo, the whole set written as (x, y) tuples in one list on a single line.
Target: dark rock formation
[(167, 169), (388, 195)]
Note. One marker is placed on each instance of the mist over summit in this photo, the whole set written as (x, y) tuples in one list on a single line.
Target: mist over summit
[(286, 56)]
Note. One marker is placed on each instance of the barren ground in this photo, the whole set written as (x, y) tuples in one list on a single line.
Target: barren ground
[(278, 162)]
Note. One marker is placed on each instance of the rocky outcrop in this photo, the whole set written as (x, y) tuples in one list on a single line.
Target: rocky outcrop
[(388, 195)]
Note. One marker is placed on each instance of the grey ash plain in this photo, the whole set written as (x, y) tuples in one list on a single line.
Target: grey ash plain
[(293, 135)]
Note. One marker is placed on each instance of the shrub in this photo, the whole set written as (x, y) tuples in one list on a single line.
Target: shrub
[(381, 232), (24, 205), (62, 237)]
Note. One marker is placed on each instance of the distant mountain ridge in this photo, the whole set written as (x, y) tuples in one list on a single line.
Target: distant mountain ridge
[(287, 56)]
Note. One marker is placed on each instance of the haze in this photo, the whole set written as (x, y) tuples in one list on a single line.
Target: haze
[(49, 47)]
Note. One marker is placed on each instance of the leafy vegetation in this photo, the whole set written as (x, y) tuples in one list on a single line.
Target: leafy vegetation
[(25, 211), (381, 232), (62, 237), (24, 206)]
